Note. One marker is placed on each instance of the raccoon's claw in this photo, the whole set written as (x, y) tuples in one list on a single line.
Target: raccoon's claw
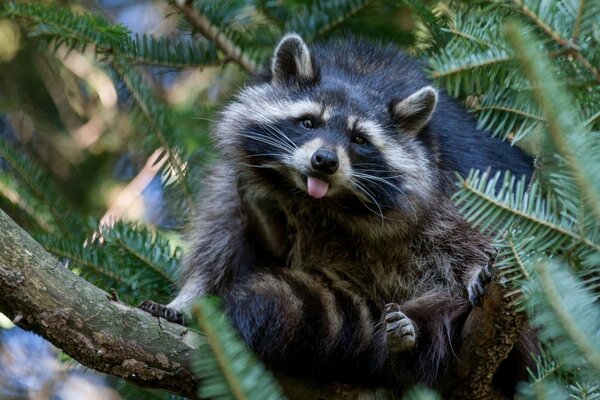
[(158, 310), (476, 289), (399, 329)]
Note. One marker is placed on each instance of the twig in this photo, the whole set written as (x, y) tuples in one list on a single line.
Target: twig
[(569, 45), (211, 32)]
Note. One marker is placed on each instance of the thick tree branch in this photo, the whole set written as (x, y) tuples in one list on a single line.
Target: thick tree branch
[(43, 296), (488, 335)]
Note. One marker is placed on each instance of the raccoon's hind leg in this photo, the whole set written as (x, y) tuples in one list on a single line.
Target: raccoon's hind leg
[(158, 310), (400, 330)]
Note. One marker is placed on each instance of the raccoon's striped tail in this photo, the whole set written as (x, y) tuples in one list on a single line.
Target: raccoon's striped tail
[(318, 325)]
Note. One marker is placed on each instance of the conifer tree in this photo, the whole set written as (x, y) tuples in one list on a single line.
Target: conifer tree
[(528, 69)]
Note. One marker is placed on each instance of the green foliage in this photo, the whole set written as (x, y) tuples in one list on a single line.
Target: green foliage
[(571, 323), (319, 17), (527, 68), (479, 60), (228, 370), (421, 393), (58, 26), (547, 230), (38, 193), (161, 128), (139, 262)]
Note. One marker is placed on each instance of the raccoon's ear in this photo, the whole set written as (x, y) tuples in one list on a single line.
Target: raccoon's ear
[(413, 113), (292, 61)]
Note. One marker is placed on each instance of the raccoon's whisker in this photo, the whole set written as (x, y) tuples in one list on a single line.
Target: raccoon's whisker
[(279, 132), (267, 140), (375, 179), (368, 194), (257, 166), (212, 121), (368, 164), (278, 141), (377, 169), (278, 136), (360, 170), (361, 187), (261, 155)]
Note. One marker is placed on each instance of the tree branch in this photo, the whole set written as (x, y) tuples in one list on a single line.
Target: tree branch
[(488, 335), (41, 295), (212, 33)]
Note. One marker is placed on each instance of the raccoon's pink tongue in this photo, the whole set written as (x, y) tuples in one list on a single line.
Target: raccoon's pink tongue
[(316, 187)]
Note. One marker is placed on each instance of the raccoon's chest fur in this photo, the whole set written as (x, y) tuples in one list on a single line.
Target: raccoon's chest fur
[(386, 268)]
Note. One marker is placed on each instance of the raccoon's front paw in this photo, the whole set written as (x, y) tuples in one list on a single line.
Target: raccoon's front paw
[(476, 289), (158, 310), (399, 329)]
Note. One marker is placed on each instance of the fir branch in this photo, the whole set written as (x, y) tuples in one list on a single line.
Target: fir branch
[(564, 128), (150, 248), (62, 26), (543, 26), (567, 44), (472, 72), (168, 52), (588, 12), (576, 314), (420, 392), (508, 112), (484, 207), (585, 391), (225, 361), (321, 17), (40, 185), (93, 263), (211, 32), (155, 116), (63, 23), (85, 323), (578, 18), (27, 206), (546, 365), (434, 22), (511, 265), (480, 31), (592, 118), (472, 62), (543, 390), (589, 66)]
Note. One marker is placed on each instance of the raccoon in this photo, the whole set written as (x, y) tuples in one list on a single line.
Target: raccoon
[(327, 227)]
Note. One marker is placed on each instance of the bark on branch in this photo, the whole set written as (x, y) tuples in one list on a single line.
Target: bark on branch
[(41, 295)]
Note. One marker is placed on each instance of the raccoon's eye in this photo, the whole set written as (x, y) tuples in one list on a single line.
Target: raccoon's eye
[(358, 140), (307, 123)]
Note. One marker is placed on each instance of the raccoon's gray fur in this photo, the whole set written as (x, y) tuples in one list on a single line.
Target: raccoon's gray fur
[(326, 225)]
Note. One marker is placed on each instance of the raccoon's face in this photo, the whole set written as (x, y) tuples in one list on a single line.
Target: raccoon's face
[(308, 134)]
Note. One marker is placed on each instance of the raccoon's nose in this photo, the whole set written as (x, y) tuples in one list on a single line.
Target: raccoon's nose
[(325, 161)]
